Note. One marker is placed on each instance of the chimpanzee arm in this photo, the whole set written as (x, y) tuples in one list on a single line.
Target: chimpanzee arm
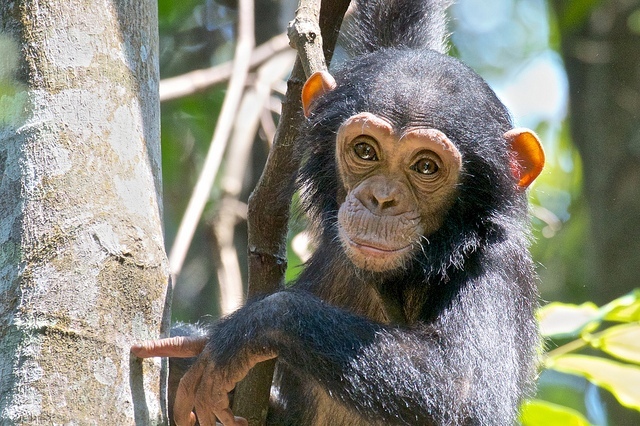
[(418, 375)]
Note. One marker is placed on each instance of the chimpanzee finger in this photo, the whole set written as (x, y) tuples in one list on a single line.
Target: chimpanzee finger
[(205, 407), (177, 347), (185, 395), (206, 416), (211, 398)]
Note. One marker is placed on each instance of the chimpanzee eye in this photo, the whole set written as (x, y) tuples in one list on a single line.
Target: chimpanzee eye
[(425, 166), (365, 151)]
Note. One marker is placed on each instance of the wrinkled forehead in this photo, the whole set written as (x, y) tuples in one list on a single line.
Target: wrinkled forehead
[(369, 124)]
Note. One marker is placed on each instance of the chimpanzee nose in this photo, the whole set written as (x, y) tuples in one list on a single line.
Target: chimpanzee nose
[(381, 197), (382, 201)]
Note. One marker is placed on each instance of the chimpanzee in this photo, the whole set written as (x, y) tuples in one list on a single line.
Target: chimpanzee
[(417, 307)]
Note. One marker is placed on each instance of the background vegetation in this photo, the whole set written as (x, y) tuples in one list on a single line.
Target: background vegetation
[(567, 69)]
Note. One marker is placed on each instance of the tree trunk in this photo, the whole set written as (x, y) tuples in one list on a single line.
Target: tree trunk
[(602, 53), (83, 271)]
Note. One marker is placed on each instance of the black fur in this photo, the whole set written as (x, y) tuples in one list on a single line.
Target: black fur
[(451, 338), (398, 23)]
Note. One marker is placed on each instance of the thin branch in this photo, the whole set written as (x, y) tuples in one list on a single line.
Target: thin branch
[(584, 340), (269, 203), (199, 80), (202, 190), (572, 346), (229, 275)]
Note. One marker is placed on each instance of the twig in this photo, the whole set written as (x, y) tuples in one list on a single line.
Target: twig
[(572, 346), (202, 190), (199, 80), (229, 275), (585, 339)]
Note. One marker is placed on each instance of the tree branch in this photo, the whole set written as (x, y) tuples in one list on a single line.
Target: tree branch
[(245, 127), (269, 204), (199, 80), (305, 36)]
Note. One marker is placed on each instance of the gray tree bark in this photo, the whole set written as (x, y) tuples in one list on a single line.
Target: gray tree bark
[(602, 51), (83, 272)]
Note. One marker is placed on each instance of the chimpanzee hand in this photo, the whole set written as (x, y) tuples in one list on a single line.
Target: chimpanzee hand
[(206, 385)]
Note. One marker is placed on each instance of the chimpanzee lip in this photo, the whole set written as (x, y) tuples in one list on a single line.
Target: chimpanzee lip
[(373, 250)]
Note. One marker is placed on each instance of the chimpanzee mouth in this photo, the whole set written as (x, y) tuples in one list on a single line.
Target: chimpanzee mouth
[(377, 251), (368, 248)]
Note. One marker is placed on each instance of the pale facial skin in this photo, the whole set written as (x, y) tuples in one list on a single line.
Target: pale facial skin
[(398, 188)]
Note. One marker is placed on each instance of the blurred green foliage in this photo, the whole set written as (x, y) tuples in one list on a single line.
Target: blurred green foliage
[(600, 345)]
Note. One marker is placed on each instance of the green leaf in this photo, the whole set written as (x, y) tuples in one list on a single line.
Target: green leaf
[(620, 379), (566, 320), (624, 309), (542, 413), (622, 341)]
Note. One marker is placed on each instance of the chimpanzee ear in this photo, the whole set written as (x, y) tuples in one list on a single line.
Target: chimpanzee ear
[(317, 85), (527, 155)]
